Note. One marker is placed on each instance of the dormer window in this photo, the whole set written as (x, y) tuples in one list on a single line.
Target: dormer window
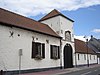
[(68, 36)]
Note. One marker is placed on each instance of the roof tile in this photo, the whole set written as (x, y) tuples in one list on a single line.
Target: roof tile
[(81, 47), (53, 13)]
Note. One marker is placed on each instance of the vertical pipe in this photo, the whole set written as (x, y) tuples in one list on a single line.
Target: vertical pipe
[(19, 64), (1, 72), (87, 53), (20, 54), (60, 54), (75, 60)]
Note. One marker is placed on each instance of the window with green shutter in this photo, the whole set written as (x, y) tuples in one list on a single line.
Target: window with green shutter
[(54, 52), (38, 50)]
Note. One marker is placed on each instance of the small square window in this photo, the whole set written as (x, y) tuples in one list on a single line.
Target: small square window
[(68, 36), (47, 41), (61, 31), (55, 54)]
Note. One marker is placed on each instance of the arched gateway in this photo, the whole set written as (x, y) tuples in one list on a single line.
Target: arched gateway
[(68, 58)]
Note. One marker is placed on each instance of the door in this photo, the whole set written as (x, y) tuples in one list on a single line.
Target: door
[(68, 58)]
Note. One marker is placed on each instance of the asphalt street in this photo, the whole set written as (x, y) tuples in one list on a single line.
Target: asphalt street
[(90, 71)]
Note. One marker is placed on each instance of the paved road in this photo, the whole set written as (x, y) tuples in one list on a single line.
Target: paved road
[(90, 71)]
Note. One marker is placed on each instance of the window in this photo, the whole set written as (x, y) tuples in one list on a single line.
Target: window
[(78, 57), (84, 57), (54, 52), (61, 31), (38, 50), (90, 57), (94, 57), (68, 36)]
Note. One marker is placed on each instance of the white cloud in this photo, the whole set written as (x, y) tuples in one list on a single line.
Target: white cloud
[(81, 37), (96, 30), (36, 7)]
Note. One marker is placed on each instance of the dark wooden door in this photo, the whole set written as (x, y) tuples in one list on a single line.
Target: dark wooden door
[(68, 58)]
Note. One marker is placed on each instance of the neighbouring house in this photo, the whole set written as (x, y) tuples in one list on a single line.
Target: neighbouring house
[(84, 55), (95, 45)]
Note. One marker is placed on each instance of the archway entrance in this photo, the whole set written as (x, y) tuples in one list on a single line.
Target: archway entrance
[(68, 58)]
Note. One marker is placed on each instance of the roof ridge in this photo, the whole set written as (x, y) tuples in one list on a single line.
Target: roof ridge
[(49, 14), (53, 13), (55, 10)]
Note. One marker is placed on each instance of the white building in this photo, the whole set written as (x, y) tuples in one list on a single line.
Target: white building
[(64, 27), (83, 54), (35, 39), (28, 45)]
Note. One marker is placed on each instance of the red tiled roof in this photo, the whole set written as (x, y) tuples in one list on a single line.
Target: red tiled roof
[(81, 47), (54, 13), (12, 19)]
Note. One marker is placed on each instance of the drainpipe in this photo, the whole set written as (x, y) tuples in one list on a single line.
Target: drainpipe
[(60, 54), (1, 72), (98, 57), (75, 60), (20, 54)]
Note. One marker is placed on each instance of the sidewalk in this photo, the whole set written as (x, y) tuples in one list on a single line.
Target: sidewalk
[(61, 71)]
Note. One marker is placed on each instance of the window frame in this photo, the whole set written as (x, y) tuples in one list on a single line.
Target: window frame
[(54, 52), (94, 57), (68, 37), (36, 52), (84, 56), (78, 56)]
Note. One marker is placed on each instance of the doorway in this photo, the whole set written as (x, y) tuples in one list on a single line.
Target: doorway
[(68, 56)]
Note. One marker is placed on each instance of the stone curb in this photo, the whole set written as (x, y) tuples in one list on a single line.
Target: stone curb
[(75, 69)]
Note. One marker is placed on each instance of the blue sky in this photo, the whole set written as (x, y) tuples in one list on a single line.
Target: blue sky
[(86, 20), (85, 13)]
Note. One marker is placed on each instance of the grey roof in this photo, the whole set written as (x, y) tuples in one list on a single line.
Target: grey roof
[(94, 44)]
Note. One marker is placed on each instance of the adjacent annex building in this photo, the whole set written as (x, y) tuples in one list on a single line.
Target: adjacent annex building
[(84, 54), (29, 45)]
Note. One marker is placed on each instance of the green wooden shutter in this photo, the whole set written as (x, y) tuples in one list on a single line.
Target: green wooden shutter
[(51, 51), (33, 50), (43, 50), (58, 52)]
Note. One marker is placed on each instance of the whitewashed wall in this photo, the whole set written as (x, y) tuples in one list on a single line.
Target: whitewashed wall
[(60, 24), (9, 47), (66, 25), (83, 61), (98, 60), (54, 23), (63, 45)]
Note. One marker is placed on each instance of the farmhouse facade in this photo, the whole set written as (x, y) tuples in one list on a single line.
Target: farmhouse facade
[(28, 45)]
